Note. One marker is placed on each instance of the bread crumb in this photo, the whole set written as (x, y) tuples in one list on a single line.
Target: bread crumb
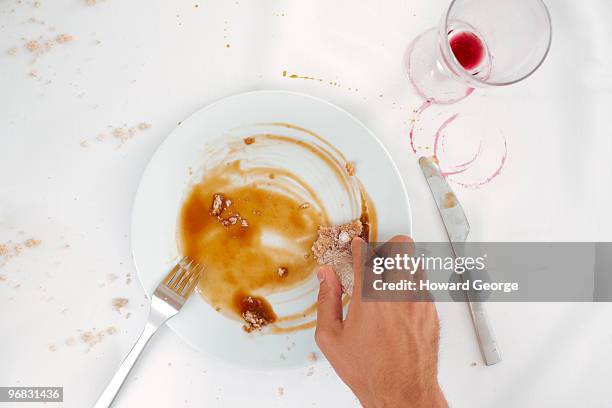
[(119, 303), (10, 250), (120, 133), (12, 51), (254, 321), (93, 337), (282, 272), (63, 38), (249, 140), (32, 46), (254, 314), (52, 348), (217, 205), (32, 242), (312, 356)]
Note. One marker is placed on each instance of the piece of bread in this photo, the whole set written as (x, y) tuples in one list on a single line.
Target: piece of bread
[(333, 248)]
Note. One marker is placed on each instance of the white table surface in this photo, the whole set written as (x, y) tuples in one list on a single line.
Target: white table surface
[(156, 62)]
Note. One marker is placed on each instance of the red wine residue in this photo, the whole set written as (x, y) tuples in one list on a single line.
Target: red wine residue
[(437, 143), (468, 49)]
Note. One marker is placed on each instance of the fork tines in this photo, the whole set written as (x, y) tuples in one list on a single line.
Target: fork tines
[(184, 275)]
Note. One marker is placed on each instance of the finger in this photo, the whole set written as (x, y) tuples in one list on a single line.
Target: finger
[(362, 256), (359, 249), (399, 244), (329, 305)]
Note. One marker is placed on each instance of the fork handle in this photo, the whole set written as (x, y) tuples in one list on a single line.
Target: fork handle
[(112, 389)]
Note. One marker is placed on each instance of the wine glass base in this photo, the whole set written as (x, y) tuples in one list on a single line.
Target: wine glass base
[(428, 76)]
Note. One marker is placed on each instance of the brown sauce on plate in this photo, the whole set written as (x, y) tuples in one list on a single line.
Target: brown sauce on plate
[(260, 242)]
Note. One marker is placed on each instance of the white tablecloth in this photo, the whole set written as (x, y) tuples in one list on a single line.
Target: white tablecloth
[(156, 62)]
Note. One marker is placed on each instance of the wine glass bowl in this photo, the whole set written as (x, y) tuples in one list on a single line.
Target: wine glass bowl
[(479, 44)]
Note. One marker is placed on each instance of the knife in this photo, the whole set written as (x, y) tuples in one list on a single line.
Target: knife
[(457, 229)]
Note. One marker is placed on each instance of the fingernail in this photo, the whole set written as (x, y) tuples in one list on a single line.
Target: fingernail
[(321, 275)]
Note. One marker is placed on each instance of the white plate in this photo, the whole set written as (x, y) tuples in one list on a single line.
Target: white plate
[(167, 180)]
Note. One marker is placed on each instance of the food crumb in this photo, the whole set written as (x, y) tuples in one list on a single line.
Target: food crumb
[(254, 314), (283, 272), (217, 205), (249, 140), (312, 356), (93, 337), (69, 341), (32, 45), (119, 303), (52, 347), (304, 206), (120, 133), (63, 38), (254, 321), (32, 242), (350, 168), (12, 51)]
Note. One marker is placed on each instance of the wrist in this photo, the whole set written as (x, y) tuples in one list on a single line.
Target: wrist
[(409, 397)]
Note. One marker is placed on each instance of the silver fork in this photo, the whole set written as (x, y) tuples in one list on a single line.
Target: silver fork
[(167, 300)]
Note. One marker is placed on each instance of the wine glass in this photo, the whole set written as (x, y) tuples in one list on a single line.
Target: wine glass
[(479, 43)]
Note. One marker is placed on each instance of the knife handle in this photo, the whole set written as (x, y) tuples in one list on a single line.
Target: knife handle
[(484, 331)]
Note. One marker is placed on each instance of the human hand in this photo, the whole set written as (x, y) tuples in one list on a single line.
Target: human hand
[(386, 352)]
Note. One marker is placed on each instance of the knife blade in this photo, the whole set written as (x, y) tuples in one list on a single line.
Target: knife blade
[(457, 228)]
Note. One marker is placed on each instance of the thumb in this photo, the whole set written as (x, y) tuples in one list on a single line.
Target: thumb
[(329, 305)]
